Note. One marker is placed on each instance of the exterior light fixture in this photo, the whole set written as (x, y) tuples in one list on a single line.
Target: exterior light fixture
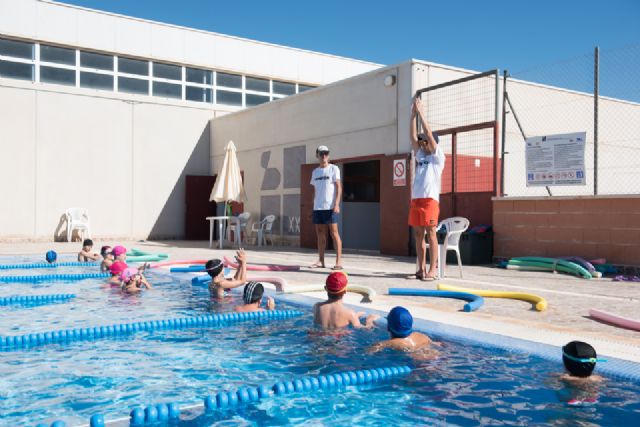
[(389, 80)]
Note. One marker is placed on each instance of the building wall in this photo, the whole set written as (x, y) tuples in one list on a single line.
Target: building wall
[(123, 160), (589, 227)]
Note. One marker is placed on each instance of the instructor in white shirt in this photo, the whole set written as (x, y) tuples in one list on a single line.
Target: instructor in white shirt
[(425, 193), (326, 205)]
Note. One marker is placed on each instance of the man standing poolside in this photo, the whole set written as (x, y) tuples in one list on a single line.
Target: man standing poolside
[(425, 193), (326, 205)]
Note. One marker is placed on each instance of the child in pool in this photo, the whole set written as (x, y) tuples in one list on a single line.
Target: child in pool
[(133, 282), (579, 359), (107, 258), (252, 297), (116, 270), (119, 253), (400, 327), (85, 255), (51, 257), (332, 314), (215, 269)]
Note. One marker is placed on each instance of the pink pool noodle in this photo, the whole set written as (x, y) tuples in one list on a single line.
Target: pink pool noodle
[(623, 322), (271, 267), (177, 262)]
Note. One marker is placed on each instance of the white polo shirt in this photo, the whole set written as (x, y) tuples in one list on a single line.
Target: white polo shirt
[(428, 173), (324, 182)]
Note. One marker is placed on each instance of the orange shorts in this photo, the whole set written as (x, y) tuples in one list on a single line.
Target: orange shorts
[(424, 213)]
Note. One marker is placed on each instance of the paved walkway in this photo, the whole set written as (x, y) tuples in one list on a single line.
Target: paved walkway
[(569, 298)]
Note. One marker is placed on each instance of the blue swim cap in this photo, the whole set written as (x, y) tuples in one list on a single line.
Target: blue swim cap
[(51, 256), (400, 322)]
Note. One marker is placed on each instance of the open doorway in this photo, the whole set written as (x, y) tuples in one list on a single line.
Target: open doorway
[(361, 205)]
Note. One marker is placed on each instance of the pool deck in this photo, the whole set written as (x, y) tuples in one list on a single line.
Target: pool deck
[(566, 318)]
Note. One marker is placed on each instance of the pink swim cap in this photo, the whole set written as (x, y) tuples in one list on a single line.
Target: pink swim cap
[(118, 267), (118, 250), (127, 274)]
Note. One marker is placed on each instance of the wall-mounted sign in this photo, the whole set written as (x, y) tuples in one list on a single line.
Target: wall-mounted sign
[(399, 173), (556, 159)]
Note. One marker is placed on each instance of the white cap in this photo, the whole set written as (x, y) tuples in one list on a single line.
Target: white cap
[(322, 148)]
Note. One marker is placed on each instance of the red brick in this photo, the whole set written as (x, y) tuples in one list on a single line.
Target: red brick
[(547, 205), (568, 220), (525, 206), (523, 233), (621, 236), (614, 254), (556, 249), (584, 250), (631, 255), (628, 204), (502, 205), (532, 219), (559, 234), (598, 205), (597, 236), (498, 218), (571, 205)]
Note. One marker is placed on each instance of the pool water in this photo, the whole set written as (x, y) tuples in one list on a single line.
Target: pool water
[(467, 385)]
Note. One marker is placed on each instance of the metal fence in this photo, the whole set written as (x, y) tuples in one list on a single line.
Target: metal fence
[(597, 93)]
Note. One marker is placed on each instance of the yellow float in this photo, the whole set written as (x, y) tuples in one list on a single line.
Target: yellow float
[(539, 303)]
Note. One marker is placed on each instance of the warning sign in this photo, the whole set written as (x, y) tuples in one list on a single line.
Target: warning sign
[(399, 173)]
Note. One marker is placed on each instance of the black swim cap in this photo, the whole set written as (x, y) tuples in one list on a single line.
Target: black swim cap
[(87, 242), (253, 291), (214, 267), (578, 350)]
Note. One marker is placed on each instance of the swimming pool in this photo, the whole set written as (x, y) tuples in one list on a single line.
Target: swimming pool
[(467, 385)]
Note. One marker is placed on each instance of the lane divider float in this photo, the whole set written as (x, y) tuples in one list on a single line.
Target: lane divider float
[(35, 299), (51, 277), (47, 265)]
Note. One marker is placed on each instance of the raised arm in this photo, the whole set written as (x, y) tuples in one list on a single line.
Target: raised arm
[(413, 126), (431, 144)]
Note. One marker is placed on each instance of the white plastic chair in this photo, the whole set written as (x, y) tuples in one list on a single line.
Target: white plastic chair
[(243, 220), (78, 219), (263, 228), (455, 227)]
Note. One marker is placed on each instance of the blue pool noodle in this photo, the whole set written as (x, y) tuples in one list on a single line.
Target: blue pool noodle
[(474, 301), (47, 265), (50, 277), (190, 269), (35, 299), (244, 395), (97, 332)]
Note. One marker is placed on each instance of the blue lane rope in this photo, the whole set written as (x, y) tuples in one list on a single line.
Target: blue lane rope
[(47, 265), (475, 301), (98, 332), (50, 277), (35, 299), (229, 399)]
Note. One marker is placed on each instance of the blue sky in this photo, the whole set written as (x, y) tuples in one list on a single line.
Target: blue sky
[(478, 35)]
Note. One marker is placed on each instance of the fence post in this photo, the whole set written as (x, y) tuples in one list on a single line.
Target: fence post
[(596, 90), (505, 74)]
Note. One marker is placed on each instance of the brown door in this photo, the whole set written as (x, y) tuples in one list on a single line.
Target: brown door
[(198, 207)]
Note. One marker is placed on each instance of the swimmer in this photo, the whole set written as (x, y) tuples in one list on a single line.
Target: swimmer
[(116, 269), (252, 297), (51, 257), (119, 253), (579, 359), (215, 269), (107, 258), (133, 281), (403, 338), (332, 314), (85, 255)]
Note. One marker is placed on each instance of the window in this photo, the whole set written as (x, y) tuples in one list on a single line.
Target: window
[(126, 84), (203, 77), (229, 98), (58, 55), (260, 85), (167, 71), (199, 94), (229, 80), (16, 70), (304, 88), (361, 181), (16, 49), (256, 99), (284, 88), (96, 81), (96, 60), (55, 75), (167, 90), (133, 66)]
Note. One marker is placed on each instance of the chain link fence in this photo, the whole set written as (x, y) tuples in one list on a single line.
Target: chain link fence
[(597, 93)]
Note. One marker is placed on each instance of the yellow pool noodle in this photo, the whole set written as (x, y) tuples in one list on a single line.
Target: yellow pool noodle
[(540, 303)]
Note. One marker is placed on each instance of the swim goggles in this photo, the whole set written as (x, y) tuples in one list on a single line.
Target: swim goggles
[(583, 360)]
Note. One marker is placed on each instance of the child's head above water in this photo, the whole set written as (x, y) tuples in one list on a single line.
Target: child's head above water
[(87, 244), (399, 322), (214, 267), (579, 358), (118, 251), (105, 251), (253, 292), (51, 257), (117, 268), (336, 285), (129, 274)]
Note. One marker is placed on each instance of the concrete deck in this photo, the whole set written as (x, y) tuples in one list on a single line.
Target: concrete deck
[(566, 318)]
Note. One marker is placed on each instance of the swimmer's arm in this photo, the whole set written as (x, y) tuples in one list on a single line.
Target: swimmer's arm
[(230, 284), (271, 303), (145, 282), (368, 324)]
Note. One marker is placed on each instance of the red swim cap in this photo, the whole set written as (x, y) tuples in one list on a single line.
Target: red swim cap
[(336, 282)]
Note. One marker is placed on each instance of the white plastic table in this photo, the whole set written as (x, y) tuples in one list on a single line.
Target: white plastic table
[(222, 222)]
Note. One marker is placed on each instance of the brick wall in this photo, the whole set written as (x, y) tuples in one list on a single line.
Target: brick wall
[(590, 227)]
